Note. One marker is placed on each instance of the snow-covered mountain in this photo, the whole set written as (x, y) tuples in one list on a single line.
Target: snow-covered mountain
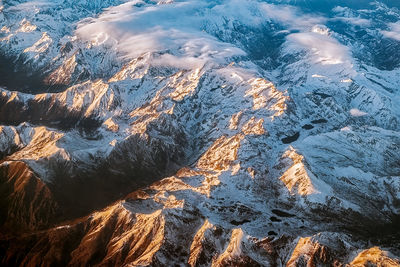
[(200, 133)]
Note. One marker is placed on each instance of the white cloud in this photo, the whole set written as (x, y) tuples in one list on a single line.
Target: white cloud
[(31, 5), (177, 29), (394, 32), (313, 35), (347, 15), (325, 49), (354, 21), (291, 16), (174, 30), (340, 9)]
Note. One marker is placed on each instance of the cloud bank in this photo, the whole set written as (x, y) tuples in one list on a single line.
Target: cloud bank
[(173, 30), (177, 30), (394, 32)]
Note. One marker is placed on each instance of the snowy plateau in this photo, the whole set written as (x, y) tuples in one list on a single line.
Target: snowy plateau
[(200, 133)]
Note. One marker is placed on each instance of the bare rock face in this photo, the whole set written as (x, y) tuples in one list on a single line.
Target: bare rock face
[(151, 229), (198, 133), (27, 202)]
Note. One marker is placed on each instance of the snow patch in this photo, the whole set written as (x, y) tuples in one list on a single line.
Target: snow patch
[(318, 76), (357, 113), (320, 29)]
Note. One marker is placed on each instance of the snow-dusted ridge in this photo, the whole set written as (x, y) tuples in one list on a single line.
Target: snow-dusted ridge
[(208, 133)]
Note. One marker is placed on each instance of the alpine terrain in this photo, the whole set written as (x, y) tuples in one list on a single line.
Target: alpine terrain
[(200, 133)]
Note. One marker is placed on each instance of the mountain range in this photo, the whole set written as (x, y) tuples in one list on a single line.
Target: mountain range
[(199, 133)]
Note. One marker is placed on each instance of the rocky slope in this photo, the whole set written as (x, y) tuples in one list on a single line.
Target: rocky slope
[(241, 133)]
